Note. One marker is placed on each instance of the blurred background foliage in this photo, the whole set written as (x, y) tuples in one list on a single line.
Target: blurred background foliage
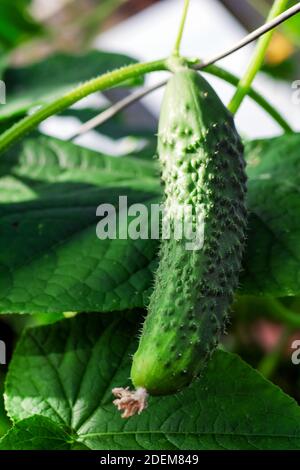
[(16, 24), (34, 28)]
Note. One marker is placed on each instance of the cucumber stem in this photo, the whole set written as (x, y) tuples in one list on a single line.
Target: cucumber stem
[(181, 28), (257, 59), (131, 402)]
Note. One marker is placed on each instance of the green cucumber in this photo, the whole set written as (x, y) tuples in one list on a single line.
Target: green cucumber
[(201, 159)]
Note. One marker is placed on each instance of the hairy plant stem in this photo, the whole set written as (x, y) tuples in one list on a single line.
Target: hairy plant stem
[(105, 81), (119, 76), (219, 72), (257, 59), (200, 65)]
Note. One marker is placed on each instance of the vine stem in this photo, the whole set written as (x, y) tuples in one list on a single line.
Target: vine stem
[(253, 94), (116, 77), (221, 73), (212, 70), (282, 313), (270, 307), (103, 82), (257, 59), (181, 28)]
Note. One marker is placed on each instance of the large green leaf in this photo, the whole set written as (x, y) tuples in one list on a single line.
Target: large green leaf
[(36, 433), (51, 259), (272, 261), (66, 371), (40, 82)]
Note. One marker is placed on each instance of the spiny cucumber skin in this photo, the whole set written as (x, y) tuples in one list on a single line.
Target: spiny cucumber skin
[(201, 158)]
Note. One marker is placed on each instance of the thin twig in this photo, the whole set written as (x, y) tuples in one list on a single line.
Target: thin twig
[(135, 96), (116, 108)]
